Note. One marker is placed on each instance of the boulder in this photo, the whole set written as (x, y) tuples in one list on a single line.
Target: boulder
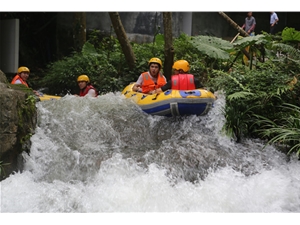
[(17, 124)]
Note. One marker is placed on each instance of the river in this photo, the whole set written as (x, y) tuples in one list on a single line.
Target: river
[(92, 155)]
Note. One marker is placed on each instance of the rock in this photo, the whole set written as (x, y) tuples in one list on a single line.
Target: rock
[(17, 124)]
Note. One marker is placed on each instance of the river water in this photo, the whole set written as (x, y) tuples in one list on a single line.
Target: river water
[(105, 155)]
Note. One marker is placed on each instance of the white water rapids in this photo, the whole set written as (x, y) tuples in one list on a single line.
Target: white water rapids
[(105, 155)]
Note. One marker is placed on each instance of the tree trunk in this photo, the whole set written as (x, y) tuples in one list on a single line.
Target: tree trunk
[(169, 50), (122, 37), (234, 25), (79, 30)]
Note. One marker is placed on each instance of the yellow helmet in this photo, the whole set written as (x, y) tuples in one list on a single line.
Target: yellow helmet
[(23, 69), (83, 77), (155, 60), (181, 65)]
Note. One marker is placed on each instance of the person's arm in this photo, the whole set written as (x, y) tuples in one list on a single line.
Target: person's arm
[(137, 88), (138, 85), (251, 28), (167, 86), (275, 21), (36, 93)]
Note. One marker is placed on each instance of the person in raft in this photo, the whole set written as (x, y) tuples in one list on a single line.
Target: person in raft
[(21, 78), (152, 79), (85, 86), (181, 80)]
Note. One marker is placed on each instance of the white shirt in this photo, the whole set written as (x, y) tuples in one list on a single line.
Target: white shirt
[(18, 81), (91, 93)]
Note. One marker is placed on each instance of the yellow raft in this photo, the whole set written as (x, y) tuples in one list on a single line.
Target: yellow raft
[(44, 97), (173, 102)]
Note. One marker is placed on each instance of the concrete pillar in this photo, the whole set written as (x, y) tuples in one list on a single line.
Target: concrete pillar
[(9, 45), (187, 22)]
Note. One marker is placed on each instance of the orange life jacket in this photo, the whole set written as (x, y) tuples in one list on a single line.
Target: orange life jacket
[(18, 77), (183, 82), (148, 83), (86, 90)]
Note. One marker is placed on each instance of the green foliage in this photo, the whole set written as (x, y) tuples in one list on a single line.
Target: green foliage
[(158, 43), (88, 48), (238, 119), (213, 47), (283, 48), (201, 62), (26, 116), (290, 35), (285, 130), (253, 92), (184, 49), (62, 74), (250, 41)]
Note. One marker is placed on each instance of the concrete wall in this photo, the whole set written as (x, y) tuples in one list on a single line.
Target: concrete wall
[(212, 24), (142, 23), (137, 24)]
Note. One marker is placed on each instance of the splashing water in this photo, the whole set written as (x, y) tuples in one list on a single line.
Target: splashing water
[(105, 155)]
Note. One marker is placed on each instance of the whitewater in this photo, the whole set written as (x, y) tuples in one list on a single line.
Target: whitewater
[(104, 155)]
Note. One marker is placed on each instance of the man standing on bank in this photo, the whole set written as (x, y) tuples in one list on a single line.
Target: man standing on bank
[(249, 24), (273, 22)]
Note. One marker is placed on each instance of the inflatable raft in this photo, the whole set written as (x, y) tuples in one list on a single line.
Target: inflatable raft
[(173, 102), (45, 97)]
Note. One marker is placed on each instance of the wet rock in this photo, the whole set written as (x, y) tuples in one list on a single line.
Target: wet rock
[(17, 124)]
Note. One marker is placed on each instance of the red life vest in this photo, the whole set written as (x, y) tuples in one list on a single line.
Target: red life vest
[(86, 90), (149, 85), (183, 82), (18, 77)]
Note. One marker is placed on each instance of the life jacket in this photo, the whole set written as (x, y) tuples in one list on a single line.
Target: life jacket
[(86, 90), (183, 82), (148, 83), (18, 77)]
